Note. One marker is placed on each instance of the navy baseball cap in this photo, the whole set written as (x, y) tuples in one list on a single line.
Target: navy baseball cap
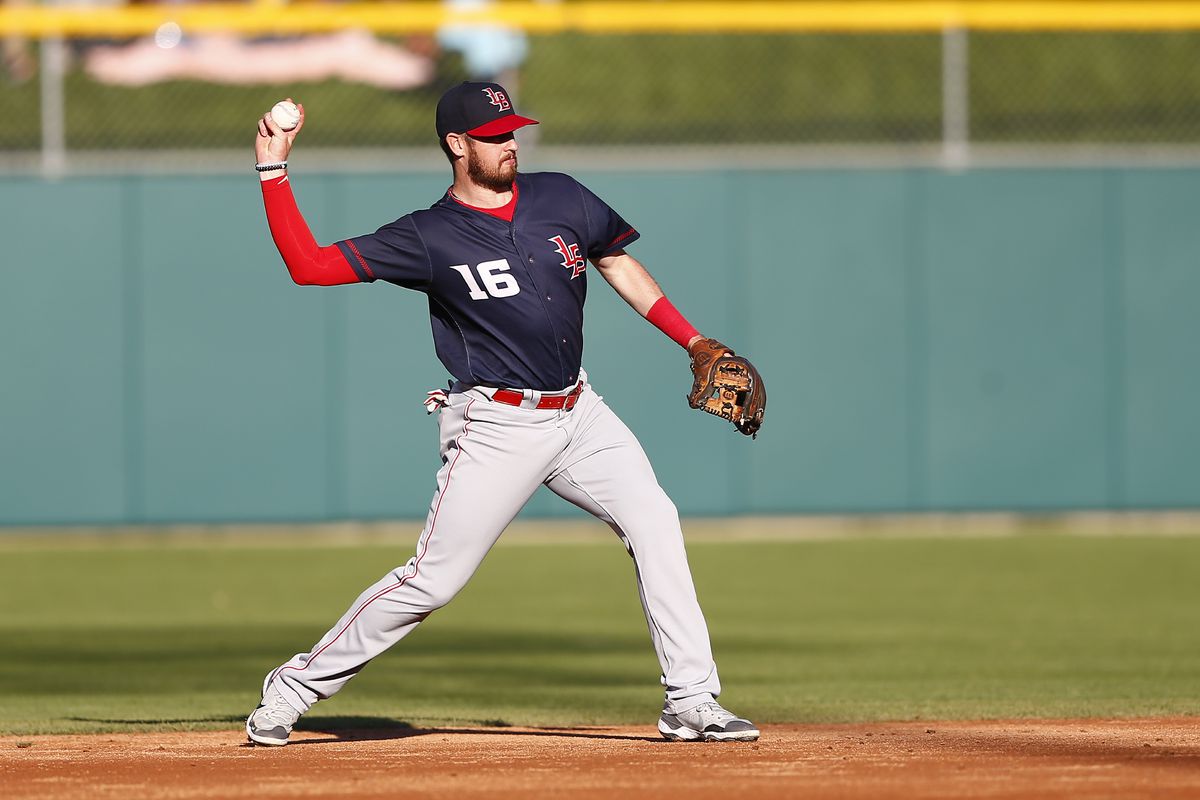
[(480, 109)]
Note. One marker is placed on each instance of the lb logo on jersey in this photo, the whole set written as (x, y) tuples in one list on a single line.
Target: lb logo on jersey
[(572, 260), (498, 99)]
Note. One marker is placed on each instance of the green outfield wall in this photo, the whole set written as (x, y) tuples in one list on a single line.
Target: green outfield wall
[(1010, 339)]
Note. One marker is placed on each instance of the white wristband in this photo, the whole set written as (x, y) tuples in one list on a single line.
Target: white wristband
[(269, 167)]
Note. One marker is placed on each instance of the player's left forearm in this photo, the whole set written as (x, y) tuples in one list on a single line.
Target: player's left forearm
[(637, 287), (630, 280)]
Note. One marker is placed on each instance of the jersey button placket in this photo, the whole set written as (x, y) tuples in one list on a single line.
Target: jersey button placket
[(512, 234)]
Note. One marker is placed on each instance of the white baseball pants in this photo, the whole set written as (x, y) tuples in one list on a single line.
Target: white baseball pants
[(494, 458)]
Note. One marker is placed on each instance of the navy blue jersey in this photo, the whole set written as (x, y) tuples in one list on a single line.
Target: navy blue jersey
[(505, 298)]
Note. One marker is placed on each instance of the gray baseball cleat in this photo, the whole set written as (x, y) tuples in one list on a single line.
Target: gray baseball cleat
[(271, 723), (707, 721)]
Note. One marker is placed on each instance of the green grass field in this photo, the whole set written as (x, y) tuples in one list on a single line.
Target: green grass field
[(152, 637)]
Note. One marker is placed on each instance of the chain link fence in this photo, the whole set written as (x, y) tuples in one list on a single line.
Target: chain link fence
[(955, 89)]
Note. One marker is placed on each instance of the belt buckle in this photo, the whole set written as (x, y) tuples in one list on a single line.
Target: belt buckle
[(573, 397)]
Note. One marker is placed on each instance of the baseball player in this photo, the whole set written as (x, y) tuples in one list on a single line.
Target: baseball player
[(503, 259)]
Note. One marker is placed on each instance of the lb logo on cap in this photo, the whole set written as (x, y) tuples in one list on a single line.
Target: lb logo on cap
[(497, 98)]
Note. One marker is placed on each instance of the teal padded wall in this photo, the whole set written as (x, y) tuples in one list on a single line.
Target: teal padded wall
[(830, 314), (1156, 429), (65, 351), (1013, 272), (991, 339)]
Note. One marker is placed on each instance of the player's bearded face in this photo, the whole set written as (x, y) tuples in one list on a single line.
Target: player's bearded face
[(492, 161)]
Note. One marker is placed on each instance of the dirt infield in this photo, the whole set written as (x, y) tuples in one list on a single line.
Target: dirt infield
[(1026, 758)]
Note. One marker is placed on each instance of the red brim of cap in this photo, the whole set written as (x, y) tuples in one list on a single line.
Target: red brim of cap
[(506, 124)]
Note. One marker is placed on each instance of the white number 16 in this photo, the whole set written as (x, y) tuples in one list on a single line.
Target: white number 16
[(495, 276)]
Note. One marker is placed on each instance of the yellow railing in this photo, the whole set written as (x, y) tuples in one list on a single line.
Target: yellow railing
[(605, 17)]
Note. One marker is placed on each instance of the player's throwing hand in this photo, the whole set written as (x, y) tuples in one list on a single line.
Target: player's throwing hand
[(273, 144)]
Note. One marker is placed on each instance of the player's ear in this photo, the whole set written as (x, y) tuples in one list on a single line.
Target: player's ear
[(456, 143)]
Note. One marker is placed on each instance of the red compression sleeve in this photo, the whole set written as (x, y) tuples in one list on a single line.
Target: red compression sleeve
[(308, 263), (667, 319)]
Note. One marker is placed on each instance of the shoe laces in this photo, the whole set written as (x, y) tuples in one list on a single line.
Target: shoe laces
[(276, 710), (713, 712)]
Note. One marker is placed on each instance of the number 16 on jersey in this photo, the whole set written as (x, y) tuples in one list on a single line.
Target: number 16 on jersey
[(495, 277)]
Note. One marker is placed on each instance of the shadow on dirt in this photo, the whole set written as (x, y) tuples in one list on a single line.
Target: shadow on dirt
[(365, 729)]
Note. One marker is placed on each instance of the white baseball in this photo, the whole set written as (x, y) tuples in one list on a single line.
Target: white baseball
[(286, 114)]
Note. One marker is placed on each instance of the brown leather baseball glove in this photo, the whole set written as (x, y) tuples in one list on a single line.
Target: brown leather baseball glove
[(727, 385)]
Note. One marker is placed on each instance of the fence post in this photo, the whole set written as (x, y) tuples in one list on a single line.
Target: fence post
[(54, 128), (956, 97)]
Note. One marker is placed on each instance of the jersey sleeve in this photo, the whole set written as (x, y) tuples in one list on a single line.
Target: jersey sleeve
[(607, 231), (395, 253)]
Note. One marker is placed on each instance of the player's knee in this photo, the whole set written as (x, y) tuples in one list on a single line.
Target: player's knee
[(662, 507), (439, 596), (654, 510)]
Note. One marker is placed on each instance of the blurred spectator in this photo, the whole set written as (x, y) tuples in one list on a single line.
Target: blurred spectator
[(489, 52), (355, 56)]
